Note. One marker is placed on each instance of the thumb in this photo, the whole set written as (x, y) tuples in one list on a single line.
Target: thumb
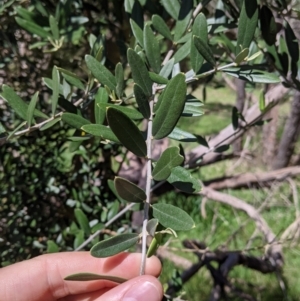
[(137, 289)]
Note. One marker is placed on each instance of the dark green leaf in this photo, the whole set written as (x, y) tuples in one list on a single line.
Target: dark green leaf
[(101, 73), (152, 49), (127, 132), (137, 32), (200, 30), (170, 108), (33, 28), (119, 73), (55, 92), (54, 27), (17, 128), (74, 120), (204, 49), (184, 18), (49, 124), (139, 72), (241, 56), (90, 276), (52, 247), (169, 159), (172, 217), (167, 68), (201, 140), (183, 136), (142, 100), (129, 191), (100, 130), (183, 180), (160, 25), (151, 226), (235, 118), (82, 221), (268, 25), (72, 78), (291, 42), (31, 108), (114, 245), (262, 104), (131, 113), (182, 52), (156, 78), (101, 97), (247, 25), (172, 7), (222, 148)]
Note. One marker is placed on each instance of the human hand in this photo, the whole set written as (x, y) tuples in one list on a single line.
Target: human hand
[(42, 278)]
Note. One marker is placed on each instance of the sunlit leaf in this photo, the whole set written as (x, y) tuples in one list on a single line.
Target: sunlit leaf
[(183, 180), (100, 130), (31, 108), (127, 132), (74, 120), (184, 18), (152, 50), (139, 72), (129, 191), (167, 68), (172, 7), (151, 226), (183, 136), (119, 73), (160, 25), (170, 108), (172, 217), (204, 49), (142, 100), (156, 78), (91, 277), (52, 247), (137, 32), (101, 97), (114, 245), (82, 221), (241, 56), (101, 73), (182, 52), (33, 28), (155, 242), (192, 110), (169, 159)]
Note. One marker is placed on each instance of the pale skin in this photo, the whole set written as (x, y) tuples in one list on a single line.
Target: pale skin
[(42, 278)]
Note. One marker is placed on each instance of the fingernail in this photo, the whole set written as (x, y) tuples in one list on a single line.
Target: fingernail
[(142, 291)]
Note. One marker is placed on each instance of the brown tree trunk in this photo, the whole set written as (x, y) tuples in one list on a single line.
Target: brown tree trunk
[(290, 135)]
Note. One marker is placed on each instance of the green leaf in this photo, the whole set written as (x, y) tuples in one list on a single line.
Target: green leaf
[(142, 101), (17, 128), (222, 148), (33, 28), (101, 73), (137, 32), (101, 97), (167, 68), (100, 130), (241, 56), (291, 42), (170, 108), (52, 247), (183, 136), (82, 221), (182, 52), (79, 239), (49, 124), (54, 27), (201, 140), (184, 18), (268, 25), (139, 72), (172, 217), (16, 102), (129, 191), (31, 108), (156, 78), (55, 92), (172, 7), (247, 25), (155, 242), (169, 159), (161, 27), (235, 118), (200, 30), (114, 245), (204, 49), (74, 120), (151, 226), (71, 78), (192, 110), (152, 50), (91, 276), (127, 132), (131, 113), (249, 73), (119, 73), (262, 103), (183, 180)]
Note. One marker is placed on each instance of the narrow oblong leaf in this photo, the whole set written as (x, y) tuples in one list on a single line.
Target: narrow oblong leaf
[(204, 50), (137, 32), (184, 18), (262, 103), (91, 277), (100, 130), (235, 118), (55, 92), (200, 30), (101, 97), (156, 78), (119, 73), (54, 27), (129, 191), (291, 42), (114, 245), (247, 24), (129, 112), (152, 50), (74, 120), (151, 226), (182, 52), (183, 136), (183, 180), (139, 72), (160, 25), (142, 100), (82, 221), (167, 68), (242, 56), (127, 132), (222, 148), (192, 110), (172, 7), (172, 217), (268, 25), (156, 241), (33, 28), (49, 124), (101, 73), (31, 108), (71, 78), (170, 108), (169, 159)]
